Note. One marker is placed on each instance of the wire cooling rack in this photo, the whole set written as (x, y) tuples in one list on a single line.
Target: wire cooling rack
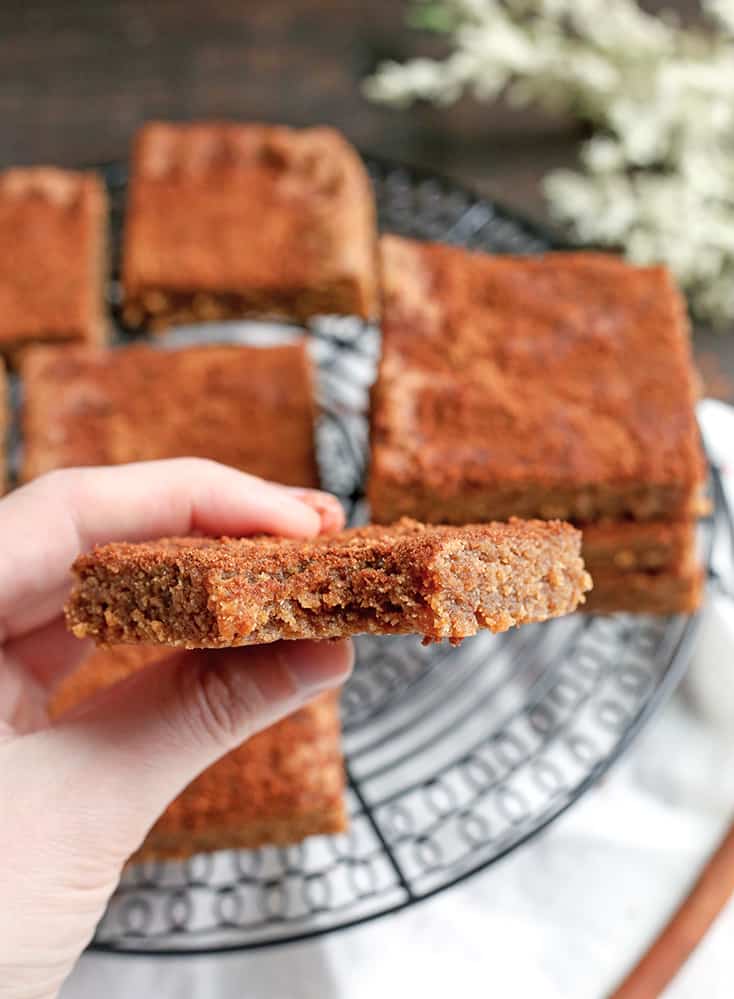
[(454, 757)]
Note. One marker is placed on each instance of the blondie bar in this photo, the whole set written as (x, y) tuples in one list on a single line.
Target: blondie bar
[(250, 407), (639, 546), (440, 582), (553, 386), (227, 220), (52, 257), (671, 591)]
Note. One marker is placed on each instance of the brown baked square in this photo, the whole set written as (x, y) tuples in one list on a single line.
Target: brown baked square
[(643, 566), (282, 785), (250, 407), (552, 386), (639, 546), (52, 257), (226, 220), (439, 582), (669, 591)]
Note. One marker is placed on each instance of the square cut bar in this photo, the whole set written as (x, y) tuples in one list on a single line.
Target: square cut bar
[(639, 546), (553, 386), (85, 407), (645, 567), (52, 257), (440, 582), (669, 591), (280, 786), (227, 220)]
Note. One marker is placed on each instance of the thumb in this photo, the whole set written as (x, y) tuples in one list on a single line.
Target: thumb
[(129, 751)]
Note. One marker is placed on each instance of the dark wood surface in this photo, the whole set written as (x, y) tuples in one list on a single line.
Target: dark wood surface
[(77, 79)]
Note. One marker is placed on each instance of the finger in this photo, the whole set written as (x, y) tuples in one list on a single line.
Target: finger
[(139, 743), (47, 654), (46, 524), (22, 699), (327, 506)]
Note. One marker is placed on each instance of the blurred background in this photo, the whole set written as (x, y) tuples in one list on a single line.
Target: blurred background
[(78, 78)]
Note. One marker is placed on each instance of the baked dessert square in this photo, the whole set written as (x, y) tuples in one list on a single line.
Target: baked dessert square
[(552, 386), (226, 220), (439, 582), (52, 257), (645, 567), (87, 407), (670, 591), (280, 786), (639, 546)]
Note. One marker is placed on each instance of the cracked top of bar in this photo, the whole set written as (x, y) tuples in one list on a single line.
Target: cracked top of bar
[(439, 582), (250, 218), (552, 386)]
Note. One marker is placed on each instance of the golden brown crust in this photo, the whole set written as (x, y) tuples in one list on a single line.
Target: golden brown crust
[(52, 257), (85, 407), (510, 386), (279, 787), (441, 582), (232, 219)]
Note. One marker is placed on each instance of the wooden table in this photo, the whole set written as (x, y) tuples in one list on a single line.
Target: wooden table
[(79, 77)]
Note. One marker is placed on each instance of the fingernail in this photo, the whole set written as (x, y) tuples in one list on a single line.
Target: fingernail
[(316, 499), (327, 506), (316, 665)]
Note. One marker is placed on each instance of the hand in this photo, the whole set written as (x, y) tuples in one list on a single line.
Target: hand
[(78, 797)]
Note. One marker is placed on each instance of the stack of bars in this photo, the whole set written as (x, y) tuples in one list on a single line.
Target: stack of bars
[(555, 386), (85, 407)]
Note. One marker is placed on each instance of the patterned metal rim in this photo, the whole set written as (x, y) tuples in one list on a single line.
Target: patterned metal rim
[(451, 213)]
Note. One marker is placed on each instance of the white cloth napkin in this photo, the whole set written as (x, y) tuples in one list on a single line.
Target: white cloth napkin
[(564, 916)]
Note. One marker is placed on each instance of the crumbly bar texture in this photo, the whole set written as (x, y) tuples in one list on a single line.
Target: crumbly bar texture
[(279, 787), (665, 592), (636, 546), (513, 386), (87, 407), (227, 220), (52, 258), (439, 582)]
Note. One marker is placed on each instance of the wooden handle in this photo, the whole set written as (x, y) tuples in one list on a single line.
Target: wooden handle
[(686, 929)]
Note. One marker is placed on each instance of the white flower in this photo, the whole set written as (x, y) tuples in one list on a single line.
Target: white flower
[(657, 178), (723, 11)]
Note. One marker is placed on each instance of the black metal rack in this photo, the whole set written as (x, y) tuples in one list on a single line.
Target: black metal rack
[(454, 756)]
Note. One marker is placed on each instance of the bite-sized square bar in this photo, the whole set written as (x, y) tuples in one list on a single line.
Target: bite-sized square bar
[(667, 592), (639, 546), (250, 407), (552, 386), (439, 582), (52, 257), (226, 220), (279, 787)]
